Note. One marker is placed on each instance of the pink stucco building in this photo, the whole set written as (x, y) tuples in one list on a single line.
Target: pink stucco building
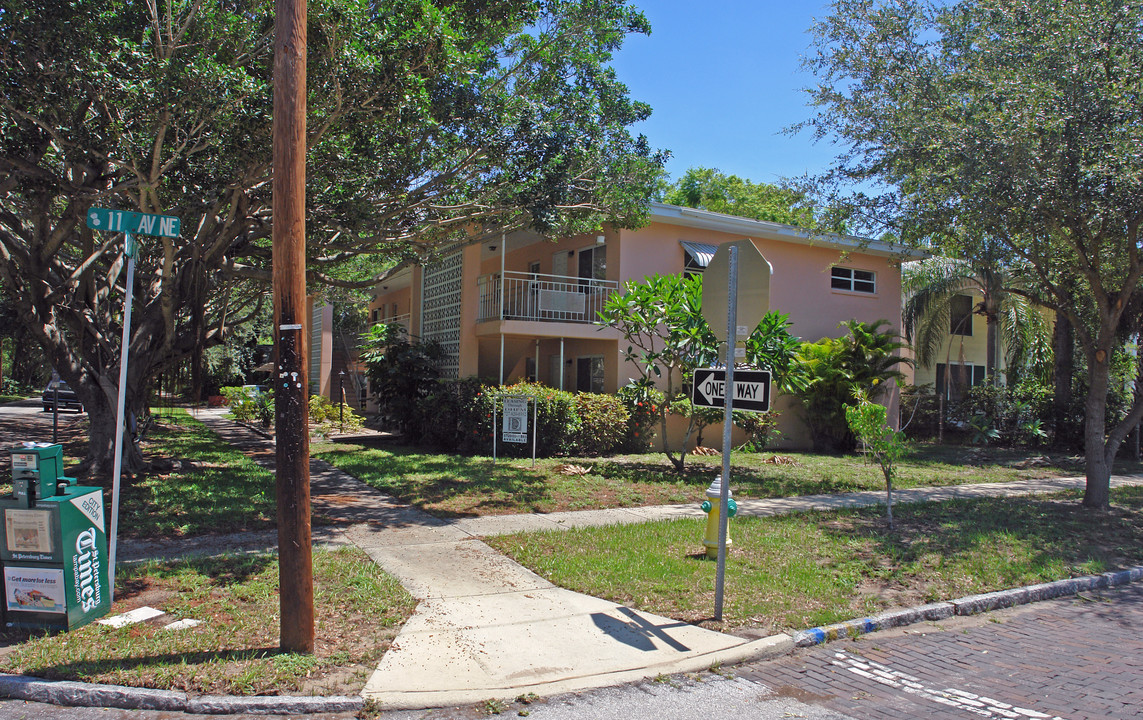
[(524, 306)]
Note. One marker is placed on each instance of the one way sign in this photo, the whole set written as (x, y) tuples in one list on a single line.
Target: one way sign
[(751, 389)]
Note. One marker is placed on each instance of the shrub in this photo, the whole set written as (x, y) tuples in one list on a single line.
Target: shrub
[(557, 422), (642, 402), (761, 429), (602, 424), (920, 411), (242, 404), (13, 387), (401, 374), (328, 417), (833, 371), (1010, 416)]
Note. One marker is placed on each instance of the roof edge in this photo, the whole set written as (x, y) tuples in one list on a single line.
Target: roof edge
[(707, 220)]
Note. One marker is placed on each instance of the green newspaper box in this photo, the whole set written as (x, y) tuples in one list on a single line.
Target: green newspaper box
[(53, 548)]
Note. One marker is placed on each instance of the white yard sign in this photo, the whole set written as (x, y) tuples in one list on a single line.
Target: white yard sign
[(515, 420)]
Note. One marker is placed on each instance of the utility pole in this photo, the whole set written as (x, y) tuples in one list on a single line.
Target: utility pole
[(291, 381)]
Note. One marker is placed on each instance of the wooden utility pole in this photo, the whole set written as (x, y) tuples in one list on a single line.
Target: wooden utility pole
[(291, 381)]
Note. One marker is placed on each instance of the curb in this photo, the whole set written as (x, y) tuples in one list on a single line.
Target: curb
[(81, 694), (968, 605)]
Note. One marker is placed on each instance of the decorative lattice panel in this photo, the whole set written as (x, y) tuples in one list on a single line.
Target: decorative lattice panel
[(442, 309), (315, 350)]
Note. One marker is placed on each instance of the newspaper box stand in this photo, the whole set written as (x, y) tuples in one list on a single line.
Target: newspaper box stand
[(53, 546)]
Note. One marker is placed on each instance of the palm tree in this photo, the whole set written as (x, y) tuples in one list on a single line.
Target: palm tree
[(1011, 320)]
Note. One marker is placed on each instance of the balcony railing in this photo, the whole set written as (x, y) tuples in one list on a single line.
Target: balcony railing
[(531, 296), (402, 320)]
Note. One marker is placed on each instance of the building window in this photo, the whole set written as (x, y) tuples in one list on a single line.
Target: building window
[(696, 257), (375, 315), (960, 315), (955, 378), (593, 263), (589, 374), (862, 281)]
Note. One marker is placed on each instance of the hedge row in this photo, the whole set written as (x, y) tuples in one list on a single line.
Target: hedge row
[(457, 416)]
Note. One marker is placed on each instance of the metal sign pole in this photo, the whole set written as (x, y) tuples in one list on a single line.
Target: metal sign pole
[(727, 423), (535, 429), (120, 420), (494, 399)]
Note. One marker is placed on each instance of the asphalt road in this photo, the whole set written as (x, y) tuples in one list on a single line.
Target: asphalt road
[(33, 409)]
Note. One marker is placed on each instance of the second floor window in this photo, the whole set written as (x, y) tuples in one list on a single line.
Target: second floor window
[(593, 263), (960, 315), (862, 281)]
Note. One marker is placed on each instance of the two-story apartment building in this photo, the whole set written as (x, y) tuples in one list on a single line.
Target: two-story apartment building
[(524, 306)]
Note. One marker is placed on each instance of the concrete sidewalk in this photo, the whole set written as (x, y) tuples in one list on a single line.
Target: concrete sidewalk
[(486, 627)]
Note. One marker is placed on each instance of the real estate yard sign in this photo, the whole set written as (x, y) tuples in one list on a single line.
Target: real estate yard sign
[(515, 427), (515, 420)]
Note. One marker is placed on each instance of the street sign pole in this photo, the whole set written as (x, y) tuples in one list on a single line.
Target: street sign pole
[(727, 423), (117, 467), (130, 224)]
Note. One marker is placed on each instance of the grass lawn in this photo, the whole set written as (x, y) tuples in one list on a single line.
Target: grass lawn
[(12, 398), (457, 486), (211, 487), (359, 610), (208, 486), (798, 571)]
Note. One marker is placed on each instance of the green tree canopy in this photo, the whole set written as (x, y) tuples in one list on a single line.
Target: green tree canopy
[(427, 119), (1012, 120), (661, 320), (710, 189)]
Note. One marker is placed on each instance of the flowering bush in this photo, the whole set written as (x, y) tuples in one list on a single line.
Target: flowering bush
[(642, 402)]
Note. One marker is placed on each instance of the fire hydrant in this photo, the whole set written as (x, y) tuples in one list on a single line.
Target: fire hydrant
[(710, 506)]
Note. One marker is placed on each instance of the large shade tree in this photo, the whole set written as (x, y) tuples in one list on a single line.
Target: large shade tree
[(427, 119), (1012, 120)]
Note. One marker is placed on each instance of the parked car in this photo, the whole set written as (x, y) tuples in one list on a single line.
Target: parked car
[(67, 397)]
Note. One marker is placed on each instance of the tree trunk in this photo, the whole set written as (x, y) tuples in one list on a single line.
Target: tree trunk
[(1097, 493), (992, 347), (1063, 343), (101, 407)]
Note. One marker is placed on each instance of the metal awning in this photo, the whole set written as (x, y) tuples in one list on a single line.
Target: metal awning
[(699, 253)]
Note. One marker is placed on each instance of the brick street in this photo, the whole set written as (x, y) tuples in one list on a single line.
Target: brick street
[(1073, 658)]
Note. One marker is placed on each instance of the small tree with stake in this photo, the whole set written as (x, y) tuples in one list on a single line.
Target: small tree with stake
[(868, 422)]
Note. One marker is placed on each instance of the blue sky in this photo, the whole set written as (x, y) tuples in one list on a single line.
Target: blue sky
[(724, 78)]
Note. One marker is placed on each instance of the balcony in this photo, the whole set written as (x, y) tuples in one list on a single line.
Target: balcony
[(402, 320), (546, 298)]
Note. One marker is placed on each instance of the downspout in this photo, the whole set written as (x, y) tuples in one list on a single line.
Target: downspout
[(561, 363)]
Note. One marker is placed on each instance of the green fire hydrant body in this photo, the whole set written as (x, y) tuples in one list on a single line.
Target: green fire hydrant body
[(710, 506)]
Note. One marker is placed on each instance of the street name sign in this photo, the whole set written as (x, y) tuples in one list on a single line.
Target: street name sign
[(753, 289), (133, 222), (751, 389)]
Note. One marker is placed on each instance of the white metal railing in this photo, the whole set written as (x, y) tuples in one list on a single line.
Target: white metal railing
[(532, 296), (402, 320)]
